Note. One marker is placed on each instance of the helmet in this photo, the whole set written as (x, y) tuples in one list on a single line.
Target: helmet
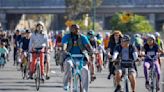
[(126, 38), (99, 41), (107, 34), (157, 34), (91, 32), (40, 23), (76, 26), (137, 35), (28, 31), (151, 36)]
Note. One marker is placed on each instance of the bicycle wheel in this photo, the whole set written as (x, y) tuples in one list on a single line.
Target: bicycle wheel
[(154, 83), (77, 84), (126, 85), (37, 79)]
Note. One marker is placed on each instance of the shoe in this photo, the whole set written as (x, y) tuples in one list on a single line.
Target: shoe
[(65, 88), (30, 77), (118, 89), (42, 78), (158, 87), (93, 77), (147, 85), (109, 76), (47, 77)]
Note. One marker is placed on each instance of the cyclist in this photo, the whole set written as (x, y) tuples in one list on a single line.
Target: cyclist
[(115, 39), (151, 49), (17, 39), (126, 52), (158, 40), (24, 44), (47, 57), (38, 38), (3, 54), (106, 40), (93, 41), (76, 43)]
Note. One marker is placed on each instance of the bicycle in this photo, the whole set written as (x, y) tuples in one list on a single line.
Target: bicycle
[(24, 65), (75, 81), (37, 75), (125, 65), (153, 75)]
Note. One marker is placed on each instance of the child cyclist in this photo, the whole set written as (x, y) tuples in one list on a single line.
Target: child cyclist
[(151, 49)]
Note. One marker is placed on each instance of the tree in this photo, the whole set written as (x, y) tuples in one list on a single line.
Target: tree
[(129, 22), (75, 7)]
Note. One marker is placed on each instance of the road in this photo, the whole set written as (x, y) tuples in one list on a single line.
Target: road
[(11, 81)]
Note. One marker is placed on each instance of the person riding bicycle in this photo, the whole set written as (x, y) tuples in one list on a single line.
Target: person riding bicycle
[(24, 44), (159, 40), (76, 43), (115, 39), (3, 53), (17, 38), (125, 51), (38, 39), (106, 40), (93, 41), (151, 49)]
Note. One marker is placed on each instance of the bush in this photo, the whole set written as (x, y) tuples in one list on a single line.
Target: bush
[(128, 22)]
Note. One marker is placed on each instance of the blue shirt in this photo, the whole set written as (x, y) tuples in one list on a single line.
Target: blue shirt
[(75, 49)]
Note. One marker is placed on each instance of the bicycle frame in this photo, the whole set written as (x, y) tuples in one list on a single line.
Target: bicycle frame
[(153, 76), (76, 72)]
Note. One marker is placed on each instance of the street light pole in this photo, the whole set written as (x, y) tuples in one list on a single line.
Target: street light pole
[(94, 14)]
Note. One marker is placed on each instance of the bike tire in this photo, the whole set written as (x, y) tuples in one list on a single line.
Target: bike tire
[(37, 79), (77, 84), (126, 85)]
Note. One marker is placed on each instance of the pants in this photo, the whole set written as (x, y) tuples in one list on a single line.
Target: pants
[(85, 74), (147, 66), (111, 68), (34, 61), (14, 56)]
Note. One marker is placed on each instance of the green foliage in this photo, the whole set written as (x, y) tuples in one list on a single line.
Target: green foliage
[(90, 24), (131, 23), (75, 7)]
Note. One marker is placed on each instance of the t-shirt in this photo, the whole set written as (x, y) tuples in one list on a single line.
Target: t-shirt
[(125, 53), (151, 51), (75, 49), (17, 39), (25, 43), (3, 50)]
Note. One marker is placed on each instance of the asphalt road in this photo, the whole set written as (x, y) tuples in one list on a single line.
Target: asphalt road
[(11, 81)]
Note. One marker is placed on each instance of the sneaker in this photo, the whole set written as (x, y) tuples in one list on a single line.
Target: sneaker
[(109, 76), (30, 77), (47, 77), (118, 89), (65, 88), (158, 87), (147, 85), (42, 78)]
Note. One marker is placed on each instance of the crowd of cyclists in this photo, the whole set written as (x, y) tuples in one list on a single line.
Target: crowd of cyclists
[(101, 50)]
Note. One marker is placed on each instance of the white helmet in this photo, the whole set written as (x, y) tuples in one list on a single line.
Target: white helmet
[(151, 36), (157, 34)]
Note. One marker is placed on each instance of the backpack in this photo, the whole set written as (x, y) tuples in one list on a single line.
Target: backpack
[(79, 42), (131, 50)]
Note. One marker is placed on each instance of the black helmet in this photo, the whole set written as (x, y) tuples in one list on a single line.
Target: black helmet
[(126, 38), (27, 31), (91, 32), (75, 26)]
